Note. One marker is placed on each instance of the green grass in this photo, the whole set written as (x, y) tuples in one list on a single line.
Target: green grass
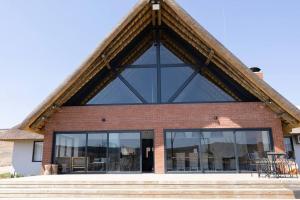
[(5, 175)]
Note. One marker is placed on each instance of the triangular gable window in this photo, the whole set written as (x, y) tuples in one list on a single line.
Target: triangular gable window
[(202, 90), (115, 92), (159, 76)]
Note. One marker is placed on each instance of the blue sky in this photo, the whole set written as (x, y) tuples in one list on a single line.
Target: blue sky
[(42, 42)]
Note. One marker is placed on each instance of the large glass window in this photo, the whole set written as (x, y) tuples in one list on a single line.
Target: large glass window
[(214, 151), (70, 152), (124, 152), (218, 151), (115, 92), (159, 76), (98, 152), (254, 144), (144, 81), (289, 148)]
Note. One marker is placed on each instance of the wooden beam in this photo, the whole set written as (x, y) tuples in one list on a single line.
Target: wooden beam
[(209, 58)]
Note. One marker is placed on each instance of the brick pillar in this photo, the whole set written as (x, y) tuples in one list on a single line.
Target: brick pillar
[(278, 137), (159, 151), (47, 151)]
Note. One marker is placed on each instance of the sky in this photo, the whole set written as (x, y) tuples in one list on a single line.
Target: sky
[(42, 42)]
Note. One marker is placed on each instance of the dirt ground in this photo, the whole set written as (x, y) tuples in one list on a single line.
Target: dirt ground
[(5, 153)]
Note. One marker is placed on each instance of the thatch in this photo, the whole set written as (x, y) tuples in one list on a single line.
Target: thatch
[(184, 25), (17, 134)]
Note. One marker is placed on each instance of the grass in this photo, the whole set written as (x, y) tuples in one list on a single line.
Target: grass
[(5, 175)]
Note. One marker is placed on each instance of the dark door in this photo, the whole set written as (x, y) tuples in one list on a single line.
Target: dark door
[(147, 155)]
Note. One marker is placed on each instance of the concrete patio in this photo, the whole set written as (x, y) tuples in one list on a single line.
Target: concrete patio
[(150, 186)]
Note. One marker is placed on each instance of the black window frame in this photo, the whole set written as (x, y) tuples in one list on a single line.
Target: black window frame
[(158, 67), (234, 130), (34, 149), (107, 132)]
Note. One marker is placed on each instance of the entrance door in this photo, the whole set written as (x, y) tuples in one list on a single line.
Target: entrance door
[(147, 152)]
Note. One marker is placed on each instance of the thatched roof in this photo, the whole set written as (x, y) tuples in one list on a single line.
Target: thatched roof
[(17, 134), (172, 15), (295, 131)]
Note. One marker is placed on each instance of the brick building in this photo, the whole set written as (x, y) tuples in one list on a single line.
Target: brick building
[(161, 95)]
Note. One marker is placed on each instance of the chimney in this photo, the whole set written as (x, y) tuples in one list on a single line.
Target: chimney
[(257, 71)]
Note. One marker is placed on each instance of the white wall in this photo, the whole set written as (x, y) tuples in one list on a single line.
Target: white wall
[(22, 159), (297, 151)]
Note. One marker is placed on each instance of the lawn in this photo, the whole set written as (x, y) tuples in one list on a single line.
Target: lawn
[(5, 175)]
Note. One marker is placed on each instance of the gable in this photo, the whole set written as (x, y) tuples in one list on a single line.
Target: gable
[(157, 75), (131, 38)]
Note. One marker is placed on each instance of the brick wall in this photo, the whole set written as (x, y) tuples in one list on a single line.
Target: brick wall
[(160, 117)]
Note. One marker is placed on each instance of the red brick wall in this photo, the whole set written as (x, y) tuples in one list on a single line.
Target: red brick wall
[(160, 117)]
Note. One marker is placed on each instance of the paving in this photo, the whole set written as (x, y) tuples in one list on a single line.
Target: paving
[(149, 186)]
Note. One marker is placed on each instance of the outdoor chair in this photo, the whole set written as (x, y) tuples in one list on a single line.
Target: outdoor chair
[(78, 163), (64, 164)]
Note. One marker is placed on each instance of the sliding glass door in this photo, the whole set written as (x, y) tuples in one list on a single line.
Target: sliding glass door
[(98, 152), (124, 152), (215, 150)]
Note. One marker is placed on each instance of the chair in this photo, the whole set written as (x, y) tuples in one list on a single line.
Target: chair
[(79, 163), (180, 161), (193, 158), (64, 164)]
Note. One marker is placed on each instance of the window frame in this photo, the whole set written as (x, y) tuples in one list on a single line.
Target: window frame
[(234, 130), (158, 66), (34, 149)]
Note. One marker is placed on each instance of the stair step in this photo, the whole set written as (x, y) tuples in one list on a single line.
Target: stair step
[(140, 193)]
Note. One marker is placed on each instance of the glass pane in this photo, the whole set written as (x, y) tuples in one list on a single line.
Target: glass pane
[(182, 149), (171, 79), (38, 151), (149, 57), (202, 90), (144, 81), (288, 144), (115, 92), (167, 57), (97, 152), (251, 145), (70, 152), (217, 153), (124, 152)]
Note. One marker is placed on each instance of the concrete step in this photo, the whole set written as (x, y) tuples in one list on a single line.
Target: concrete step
[(147, 193), (141, 186)]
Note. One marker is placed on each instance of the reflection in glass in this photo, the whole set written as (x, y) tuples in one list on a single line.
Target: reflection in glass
[(251, 144), (218, 151), (144, 81), (116, 92), (183, 150), (70, 152), (97, 152), (167, 57), (214, 151), (202, 90), (124, 152), (148, 57), (171, 79)]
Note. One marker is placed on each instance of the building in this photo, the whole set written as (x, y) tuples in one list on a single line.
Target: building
[(292, 145), (27, 151), (162, 95)]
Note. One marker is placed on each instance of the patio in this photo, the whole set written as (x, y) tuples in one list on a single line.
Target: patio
[(150, 186)]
